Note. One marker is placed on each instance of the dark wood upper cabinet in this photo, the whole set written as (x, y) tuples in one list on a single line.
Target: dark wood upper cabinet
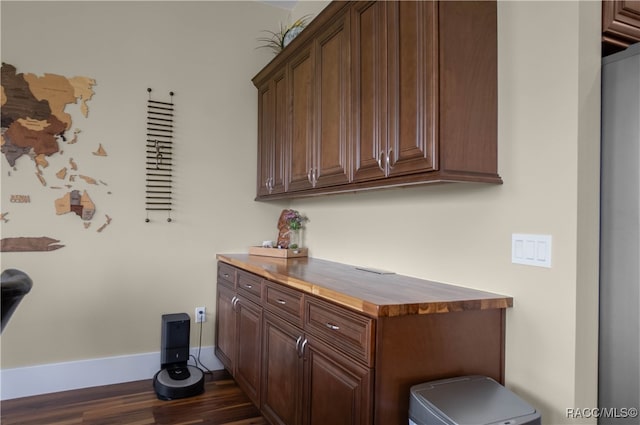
[(299, 154), (412, 102), (387, 93), (369, 108), (272, 131), (620, 25), (332, 107), (319, 96)]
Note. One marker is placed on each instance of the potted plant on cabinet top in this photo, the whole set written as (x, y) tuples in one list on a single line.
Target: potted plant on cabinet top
[(281, 39)]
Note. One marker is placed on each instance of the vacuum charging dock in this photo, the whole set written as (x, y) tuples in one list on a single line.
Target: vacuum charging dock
[(176, 379)]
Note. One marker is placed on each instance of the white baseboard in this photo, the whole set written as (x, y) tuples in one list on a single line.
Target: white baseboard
[(54, 377)]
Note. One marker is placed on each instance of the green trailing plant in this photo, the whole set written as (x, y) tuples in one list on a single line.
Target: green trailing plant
[(280, 39)]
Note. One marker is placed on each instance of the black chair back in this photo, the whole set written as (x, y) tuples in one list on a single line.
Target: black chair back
[(15, 285)]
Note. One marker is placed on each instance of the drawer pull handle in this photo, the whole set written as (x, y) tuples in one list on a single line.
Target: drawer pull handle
[(248, 286), (281, 302), (226, 275), (332, 326)]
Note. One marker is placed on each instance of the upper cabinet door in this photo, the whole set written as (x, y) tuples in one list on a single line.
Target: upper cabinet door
[(280, 132), (395, 88), (265, 139), (412, 87), (332, 113), (369, 113), (272, 134), (301, 143)]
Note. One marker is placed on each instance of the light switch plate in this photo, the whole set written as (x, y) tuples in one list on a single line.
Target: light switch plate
[(531, 250)]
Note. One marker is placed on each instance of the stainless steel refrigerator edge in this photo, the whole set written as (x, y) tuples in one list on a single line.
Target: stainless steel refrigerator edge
[(619, 339)]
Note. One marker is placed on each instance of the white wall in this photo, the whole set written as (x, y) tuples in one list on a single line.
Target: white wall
[(103, 294)]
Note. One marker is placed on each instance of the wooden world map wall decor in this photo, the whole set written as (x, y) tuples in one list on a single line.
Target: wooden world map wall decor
[(35, 126), (159, 156)]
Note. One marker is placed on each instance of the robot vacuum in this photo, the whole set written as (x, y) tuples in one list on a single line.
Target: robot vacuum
[(178, 382), (176, 379)]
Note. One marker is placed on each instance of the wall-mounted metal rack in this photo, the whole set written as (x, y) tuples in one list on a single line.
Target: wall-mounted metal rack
[(159, 165)]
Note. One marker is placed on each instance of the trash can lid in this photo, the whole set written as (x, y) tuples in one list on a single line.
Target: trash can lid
[(469, 400)]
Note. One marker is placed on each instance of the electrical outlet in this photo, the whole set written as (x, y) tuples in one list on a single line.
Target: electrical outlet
[(201, 314)]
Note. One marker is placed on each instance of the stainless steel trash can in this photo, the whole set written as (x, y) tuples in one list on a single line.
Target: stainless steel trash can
[(468, 400)]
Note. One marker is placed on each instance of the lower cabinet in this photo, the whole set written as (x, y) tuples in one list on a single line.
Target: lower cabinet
[(304, 360), (305, 381), (337, 390), (226, 326), (283, 370), (239, 339), (249, 348)]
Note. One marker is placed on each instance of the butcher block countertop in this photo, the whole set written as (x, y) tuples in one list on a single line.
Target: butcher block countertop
[(374, 294)]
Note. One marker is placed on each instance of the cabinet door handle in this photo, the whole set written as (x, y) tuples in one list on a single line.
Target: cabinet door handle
[(298, 345), (281, 302), (248, 286), (312, 176), (332, 326), (234, 300), (389, 164), (304, 343), (380, 161), (226, 275)]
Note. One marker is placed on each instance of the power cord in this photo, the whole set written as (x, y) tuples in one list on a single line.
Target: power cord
[(197, 359)]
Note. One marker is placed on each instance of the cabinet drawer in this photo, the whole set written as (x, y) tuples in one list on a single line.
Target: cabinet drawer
[(343, 329), (227, 275), (250, 285), (284, 302)]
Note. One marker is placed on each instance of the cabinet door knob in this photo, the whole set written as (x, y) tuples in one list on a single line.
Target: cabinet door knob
[(332, 326)]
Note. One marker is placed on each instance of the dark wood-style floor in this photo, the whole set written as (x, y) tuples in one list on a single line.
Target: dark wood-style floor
[(135, 403)]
